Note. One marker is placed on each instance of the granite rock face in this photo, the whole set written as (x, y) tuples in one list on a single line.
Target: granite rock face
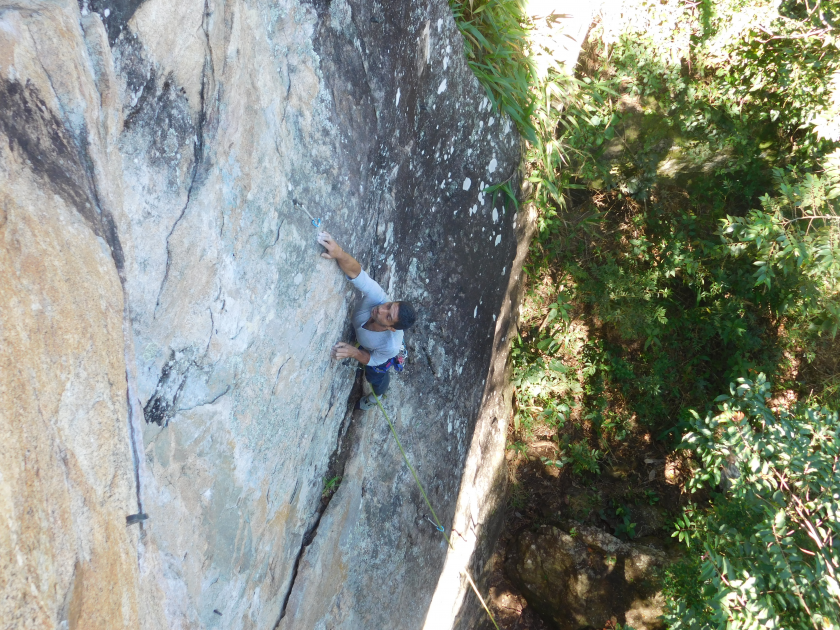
[(165, 318), (588, 580)]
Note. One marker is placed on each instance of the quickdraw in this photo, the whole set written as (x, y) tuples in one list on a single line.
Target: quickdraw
[(315, 222)]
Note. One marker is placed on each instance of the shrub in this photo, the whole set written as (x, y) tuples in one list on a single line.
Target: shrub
[(769, 543)]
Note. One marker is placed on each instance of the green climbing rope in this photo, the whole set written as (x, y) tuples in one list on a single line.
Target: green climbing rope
[(440, 527)]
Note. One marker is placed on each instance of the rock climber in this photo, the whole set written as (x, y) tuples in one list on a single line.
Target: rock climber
[(379, 324)]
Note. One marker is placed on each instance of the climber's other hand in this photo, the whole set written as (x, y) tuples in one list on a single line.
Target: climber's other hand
[(343, 350)]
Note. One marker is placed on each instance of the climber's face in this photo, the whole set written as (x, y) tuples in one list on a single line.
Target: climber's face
[(386, 315)]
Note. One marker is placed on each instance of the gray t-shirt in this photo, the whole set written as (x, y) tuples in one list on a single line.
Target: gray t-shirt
[(381, 345)]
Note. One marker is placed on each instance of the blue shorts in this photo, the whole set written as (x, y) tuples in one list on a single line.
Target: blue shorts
[(379, 381)]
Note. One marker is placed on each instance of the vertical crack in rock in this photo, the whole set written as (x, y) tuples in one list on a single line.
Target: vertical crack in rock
[(210, 336), (198, 151), (169, 252), (106, 221), (277, 235), (364, 64), (204, 27), (335, 468), (135, 456), (277, 378)]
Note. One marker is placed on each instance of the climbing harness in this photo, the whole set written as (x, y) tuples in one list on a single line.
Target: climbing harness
[(315, 222), (436, 522), (397, 362)]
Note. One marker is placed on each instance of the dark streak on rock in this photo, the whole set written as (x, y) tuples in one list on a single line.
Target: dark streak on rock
[(276, 236), (42, 140), (277, 378), (212, 327), (119, 13), (429, 359), (163, 405)]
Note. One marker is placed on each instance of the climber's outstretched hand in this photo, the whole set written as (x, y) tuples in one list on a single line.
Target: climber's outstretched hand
[(346, 262), (328, 243)]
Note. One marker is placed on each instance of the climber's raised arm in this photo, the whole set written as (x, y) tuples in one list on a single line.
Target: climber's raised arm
[(349, 265)]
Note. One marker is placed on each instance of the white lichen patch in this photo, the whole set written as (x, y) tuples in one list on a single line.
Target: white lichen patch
[(467, 183), (441, 87)]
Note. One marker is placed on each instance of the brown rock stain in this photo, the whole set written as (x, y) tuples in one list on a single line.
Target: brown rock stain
[(65, 469)]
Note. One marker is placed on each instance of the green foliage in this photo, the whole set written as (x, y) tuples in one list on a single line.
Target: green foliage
[(770, 543), (556, 463), (497, 47), (507, 193), (680, 583), (584, 459), (330, 486), (542, 386), (688, 193), (708, 252), (803, 261), (731, 84), (626, 529), (518, 496)]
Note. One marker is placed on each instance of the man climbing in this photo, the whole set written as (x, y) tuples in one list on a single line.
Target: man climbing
[(379, 324)]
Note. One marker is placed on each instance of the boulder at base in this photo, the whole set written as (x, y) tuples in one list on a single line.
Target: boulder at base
[(589, 579)]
